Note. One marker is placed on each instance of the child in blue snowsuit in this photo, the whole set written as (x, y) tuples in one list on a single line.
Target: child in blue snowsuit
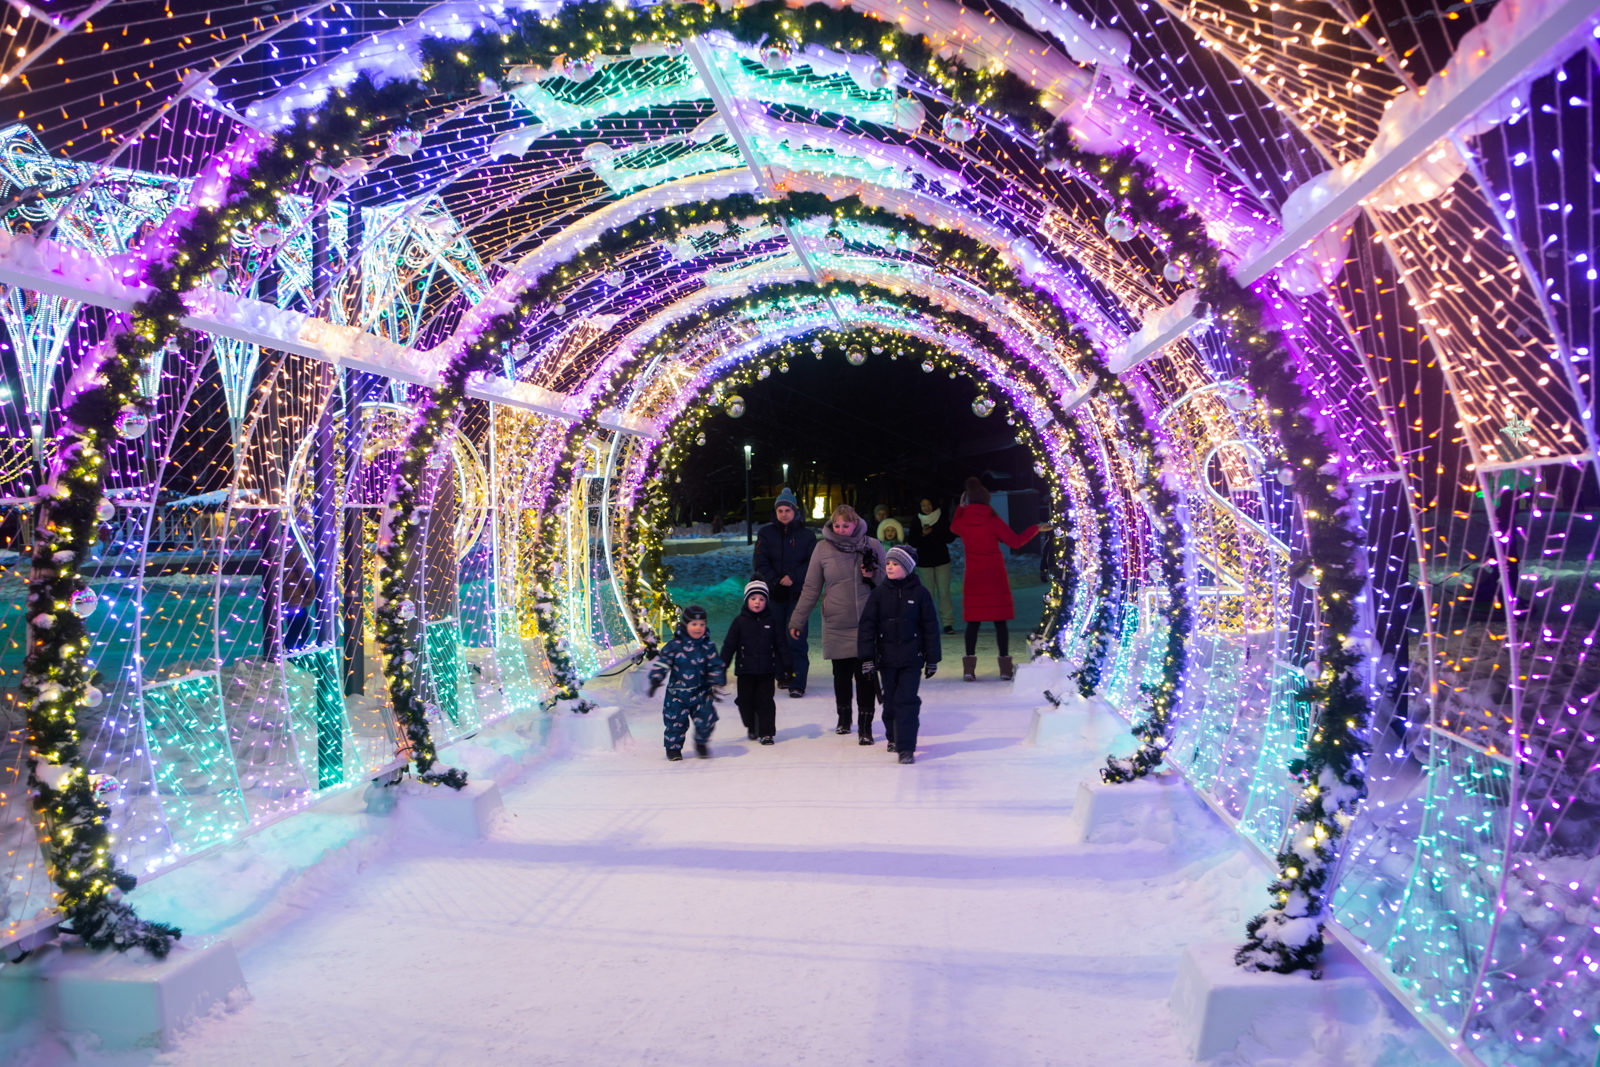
[(690, 666), (899, 638)]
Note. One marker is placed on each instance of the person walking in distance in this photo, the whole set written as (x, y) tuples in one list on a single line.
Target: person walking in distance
[(757, 651), (985, 587), (692, 670), (899, 640), (782, 554), (930, 535), (845, 568)]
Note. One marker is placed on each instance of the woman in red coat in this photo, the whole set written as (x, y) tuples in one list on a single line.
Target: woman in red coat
[(985, 588)]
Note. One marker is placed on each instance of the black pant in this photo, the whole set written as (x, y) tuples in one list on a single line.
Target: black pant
[(1002, 637), (753, 694), (902, 707), (866, 691)]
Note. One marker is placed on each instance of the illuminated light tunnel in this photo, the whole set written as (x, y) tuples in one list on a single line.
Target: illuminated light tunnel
[(351, 352)]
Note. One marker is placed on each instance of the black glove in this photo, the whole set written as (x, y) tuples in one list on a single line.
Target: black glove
[(867, 667), (930, 670), (655, 684)]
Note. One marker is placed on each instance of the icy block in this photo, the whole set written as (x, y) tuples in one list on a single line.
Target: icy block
[(600, 730), (1074, 723), (127, 1000), (468, 812), (1216, 1003), (1147, 809)]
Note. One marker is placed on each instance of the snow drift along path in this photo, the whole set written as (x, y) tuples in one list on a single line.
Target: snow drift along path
[(809, 903)]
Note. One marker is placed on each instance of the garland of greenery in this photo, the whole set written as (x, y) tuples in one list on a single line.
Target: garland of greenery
[(1288, 935)]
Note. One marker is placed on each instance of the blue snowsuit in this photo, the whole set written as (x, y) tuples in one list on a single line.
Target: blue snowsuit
[(691, 667)]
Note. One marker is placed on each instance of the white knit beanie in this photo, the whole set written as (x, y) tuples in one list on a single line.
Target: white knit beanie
[(756, 585)]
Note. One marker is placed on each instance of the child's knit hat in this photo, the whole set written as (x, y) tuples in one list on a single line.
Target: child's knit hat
[(904, 555), (756, 585), (693, 612)]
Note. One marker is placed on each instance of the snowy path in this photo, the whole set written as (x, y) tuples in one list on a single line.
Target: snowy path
[(808, 903)]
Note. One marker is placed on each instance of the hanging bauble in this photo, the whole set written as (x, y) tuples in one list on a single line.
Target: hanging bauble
[(1038, 468), (105, 785), (775, 55), (877, 350), (879, 77), (405, 142), (834, 242), (321, 172), (699, 438), (1119, 227), (735, 406), (219, 276), (855, 357), (558, 308), (598, 152), (615, 278), (93, 697), (1239, 399), (909, 114), (1174, 272), (520, 350), (957, 127), (433, 711), (1286, 476), (407, 610), (783, 368), (131, 422), (488, 87), (763, 374), (269, 234), (105, 511), (1308, 580), (580, 70), (673, 47), (816, 347), (927, 366), (172, 346), (983, 407), (84, 601)]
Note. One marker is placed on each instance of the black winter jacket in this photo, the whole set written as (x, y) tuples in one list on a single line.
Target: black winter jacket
[(899, 625), (932, 542), (759, 640), (783, 550)]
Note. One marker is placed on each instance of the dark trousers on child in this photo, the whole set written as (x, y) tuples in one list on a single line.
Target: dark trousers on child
[(753, 694), (902, 707), (844, 670)]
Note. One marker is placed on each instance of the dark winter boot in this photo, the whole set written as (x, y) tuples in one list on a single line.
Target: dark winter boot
[(674, 755), (969, 668), (866, 736), (908, 757), (1007, 670), (844, 723), (702, 750)]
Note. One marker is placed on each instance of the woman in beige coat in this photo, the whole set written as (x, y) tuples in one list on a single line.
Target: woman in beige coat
[(846, 566)]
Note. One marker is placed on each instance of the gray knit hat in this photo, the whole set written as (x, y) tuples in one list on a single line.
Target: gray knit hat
[(904, 555), (786, 497), (756, 585)]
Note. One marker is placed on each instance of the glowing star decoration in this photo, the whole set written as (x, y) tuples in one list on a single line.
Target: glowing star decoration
[(1517, 429), (84, 601), (1119, 227), (132, 423), (855, 356), (734, 406), (983, 407)]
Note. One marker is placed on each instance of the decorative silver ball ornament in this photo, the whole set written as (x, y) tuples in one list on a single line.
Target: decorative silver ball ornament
[(775, 55), (1174, 272), (219, 276), (783, 368), (1119, 227), (321, 172), (834, 242), (983, 407), (93, 697), (763, 374), (488, 87), (132, 423), (558, 308), (909, 114), (1285, 476), (172, 346), (957, 127), (816, 347), (1038, 468), (1239, 399), (269, 235), (879, 77), (105, 511), (83, 602), (580, 70), (699, 438), (615, 278), (598, 152), (1308, 580), (405, 142), (106, 785), (408, 610), (673, 48), (877, 350), (735, 406), (927, 366), (855, 357), (520, 350), (433, 711)]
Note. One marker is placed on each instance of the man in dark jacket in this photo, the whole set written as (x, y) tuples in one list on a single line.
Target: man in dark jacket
[(899, 639), (782, 554)]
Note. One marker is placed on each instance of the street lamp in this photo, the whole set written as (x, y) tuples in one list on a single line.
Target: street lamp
[(785, 474), (749, 522)]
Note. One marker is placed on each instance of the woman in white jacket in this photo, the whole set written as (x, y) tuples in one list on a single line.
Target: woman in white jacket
[(846, 566)]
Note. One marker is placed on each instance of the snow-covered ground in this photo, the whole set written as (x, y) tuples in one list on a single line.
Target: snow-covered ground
[(812, 902)]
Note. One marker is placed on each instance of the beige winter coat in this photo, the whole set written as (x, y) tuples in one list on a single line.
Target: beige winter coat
[(834, 577)]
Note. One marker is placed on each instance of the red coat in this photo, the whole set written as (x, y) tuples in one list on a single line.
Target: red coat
[(985, 588)]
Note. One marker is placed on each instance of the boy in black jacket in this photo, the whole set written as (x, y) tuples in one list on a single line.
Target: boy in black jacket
[(899, 638), (757, 635)]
